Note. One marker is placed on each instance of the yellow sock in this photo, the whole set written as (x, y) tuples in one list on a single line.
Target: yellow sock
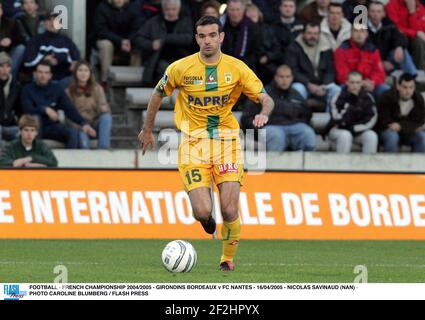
[(231, 232)]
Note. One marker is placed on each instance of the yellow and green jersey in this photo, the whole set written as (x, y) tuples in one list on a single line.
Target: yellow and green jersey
[(207, 94)]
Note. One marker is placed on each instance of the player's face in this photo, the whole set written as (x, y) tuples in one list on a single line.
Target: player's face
[(406, 89), (209, 39), (283, 79), (28, 135)]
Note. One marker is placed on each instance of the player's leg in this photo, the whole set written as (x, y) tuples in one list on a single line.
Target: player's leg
[(201, 202), (231, 230)]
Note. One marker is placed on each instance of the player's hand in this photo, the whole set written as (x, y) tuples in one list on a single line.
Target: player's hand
[(146, 140), (260, 120)]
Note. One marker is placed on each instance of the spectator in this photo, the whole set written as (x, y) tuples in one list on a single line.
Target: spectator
[(164, 39), (402, 117), (354, 115), (12, 8), (270, 55), (315, 11), (147, 9), (116, 23), (31, 22), (242, 38), (311, 60), (90, 100), (349, 8), (288, 124), (270, 10), (335, 29), (10, 91), (387, 38), (11, 41), (27, 152), (53, 47), (45, 99), (409, 17), (359, 54), (289, 26), (211, 8)]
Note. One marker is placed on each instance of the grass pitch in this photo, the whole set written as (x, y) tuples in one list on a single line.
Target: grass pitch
[(139, 261)]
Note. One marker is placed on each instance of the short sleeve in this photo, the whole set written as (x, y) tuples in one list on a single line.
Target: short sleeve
[(168, 82), (252, 86)]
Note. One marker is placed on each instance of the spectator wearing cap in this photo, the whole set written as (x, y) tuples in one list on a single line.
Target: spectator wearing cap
[(53, 47), (10, 91), (44, 99), (164, 39), (116, 22), (27, 151), (11, 41), (31, 22)]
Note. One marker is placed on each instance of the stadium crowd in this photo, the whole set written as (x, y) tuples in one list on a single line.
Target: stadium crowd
[(312, 56)]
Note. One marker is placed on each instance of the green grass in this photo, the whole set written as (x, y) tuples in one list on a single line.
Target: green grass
[(124, 261)]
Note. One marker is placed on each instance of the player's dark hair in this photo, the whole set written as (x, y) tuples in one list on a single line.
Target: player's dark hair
[(406, 77), (208, 20)]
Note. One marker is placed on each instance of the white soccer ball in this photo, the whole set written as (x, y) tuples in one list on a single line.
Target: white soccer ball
[(179, 256)]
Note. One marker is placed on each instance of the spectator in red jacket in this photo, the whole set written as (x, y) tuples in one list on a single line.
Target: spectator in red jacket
[(359, 54), (409, 16)]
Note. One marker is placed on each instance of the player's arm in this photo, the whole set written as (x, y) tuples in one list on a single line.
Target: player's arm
[(165, 87), (146, 137), (267, 104)]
